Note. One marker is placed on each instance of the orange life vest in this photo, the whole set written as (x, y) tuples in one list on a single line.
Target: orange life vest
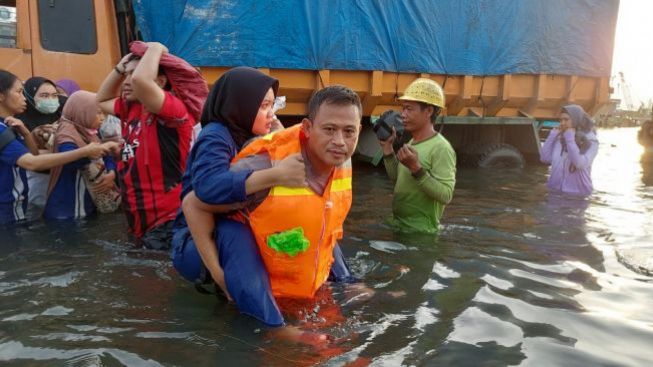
[(285, 208)]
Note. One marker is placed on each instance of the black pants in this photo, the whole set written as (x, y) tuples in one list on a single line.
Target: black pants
[(158, 238)]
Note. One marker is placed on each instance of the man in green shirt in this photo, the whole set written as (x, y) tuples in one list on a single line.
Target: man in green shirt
[(424, 170)]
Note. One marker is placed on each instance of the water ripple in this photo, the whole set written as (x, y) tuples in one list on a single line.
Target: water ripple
[(11, 351)]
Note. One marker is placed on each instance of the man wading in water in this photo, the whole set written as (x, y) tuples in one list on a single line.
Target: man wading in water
[(424, 170)]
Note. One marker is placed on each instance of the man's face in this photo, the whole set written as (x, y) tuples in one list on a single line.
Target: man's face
[(333, 133), (414, 117), (126, 88)]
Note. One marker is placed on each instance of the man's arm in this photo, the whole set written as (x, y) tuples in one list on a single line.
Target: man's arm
[(391, 163), (438, 182), (109, 92), (389, 158), (146, 89), (110, 89)]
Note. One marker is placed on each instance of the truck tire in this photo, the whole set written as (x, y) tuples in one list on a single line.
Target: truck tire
[(501, 156)]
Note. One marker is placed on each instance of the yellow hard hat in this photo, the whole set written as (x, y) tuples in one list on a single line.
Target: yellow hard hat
[(424, 90)]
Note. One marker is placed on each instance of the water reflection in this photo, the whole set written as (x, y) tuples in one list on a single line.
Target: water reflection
[(647, 168), (516, 276)]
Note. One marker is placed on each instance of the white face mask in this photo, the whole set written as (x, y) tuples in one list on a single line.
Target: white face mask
[(47, 105)]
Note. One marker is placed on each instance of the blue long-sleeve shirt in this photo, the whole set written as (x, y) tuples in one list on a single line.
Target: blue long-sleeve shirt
[(207, 170), (70, 197), (13, 180)]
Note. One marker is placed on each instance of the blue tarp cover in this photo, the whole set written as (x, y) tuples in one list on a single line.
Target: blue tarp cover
[(475, 37)]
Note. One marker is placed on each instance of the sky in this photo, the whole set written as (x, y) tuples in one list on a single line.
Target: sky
[(633, 51)]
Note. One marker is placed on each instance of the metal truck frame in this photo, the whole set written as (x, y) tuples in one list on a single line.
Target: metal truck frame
[(491, 120)]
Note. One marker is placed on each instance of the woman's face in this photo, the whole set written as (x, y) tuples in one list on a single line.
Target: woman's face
[(565, 121), (99, 119), (46, 99), (14, 99), (265, 116)]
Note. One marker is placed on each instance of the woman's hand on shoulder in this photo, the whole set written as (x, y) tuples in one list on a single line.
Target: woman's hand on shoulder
[(291, 171), (17, 125)]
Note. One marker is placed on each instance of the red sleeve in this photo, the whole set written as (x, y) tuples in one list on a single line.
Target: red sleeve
[(118, 105), (173, 111)]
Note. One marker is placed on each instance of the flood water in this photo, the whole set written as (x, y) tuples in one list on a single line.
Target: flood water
[(517, 277)]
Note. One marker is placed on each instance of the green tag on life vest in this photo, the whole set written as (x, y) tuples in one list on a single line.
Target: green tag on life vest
[(290, 242)]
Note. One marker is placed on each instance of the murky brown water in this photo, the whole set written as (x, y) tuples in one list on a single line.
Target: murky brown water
[(517, 277)]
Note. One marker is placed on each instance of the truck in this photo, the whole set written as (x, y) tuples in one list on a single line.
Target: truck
[(506, 66)]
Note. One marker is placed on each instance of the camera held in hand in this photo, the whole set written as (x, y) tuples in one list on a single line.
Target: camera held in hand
[(383, 129)]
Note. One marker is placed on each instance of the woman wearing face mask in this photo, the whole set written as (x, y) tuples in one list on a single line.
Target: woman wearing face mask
[(570, 150), (43, 103), (18, 151), (69, 193), (43, 109)]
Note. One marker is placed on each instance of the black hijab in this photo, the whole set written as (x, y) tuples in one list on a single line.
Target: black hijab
[(33, 117), (235, 99)]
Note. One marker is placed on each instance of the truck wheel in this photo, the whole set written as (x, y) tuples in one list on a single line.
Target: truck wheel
[(501, 156)]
